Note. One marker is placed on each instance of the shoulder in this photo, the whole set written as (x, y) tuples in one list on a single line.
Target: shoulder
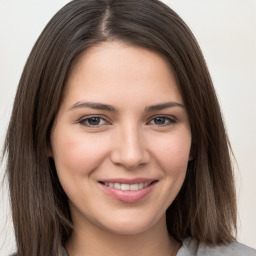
[(63, 252), (191, 247)]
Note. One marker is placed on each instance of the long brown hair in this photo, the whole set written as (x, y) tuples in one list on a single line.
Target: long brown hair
[(204, 209)]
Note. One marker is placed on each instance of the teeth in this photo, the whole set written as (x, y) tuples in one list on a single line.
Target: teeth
[(125, 187), (141, 185), (117, 185), (134, 186), (122, 186)]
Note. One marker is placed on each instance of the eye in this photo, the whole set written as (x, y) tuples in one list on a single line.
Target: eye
[(93, 121), (162, 120)]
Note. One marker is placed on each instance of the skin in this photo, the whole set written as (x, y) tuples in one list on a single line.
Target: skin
[(128, 142)]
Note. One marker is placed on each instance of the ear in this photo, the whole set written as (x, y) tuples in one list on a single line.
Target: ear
[(49, 150), (191, 153)]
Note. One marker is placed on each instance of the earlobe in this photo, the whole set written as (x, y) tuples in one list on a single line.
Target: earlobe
[(49, 151), (191, 154)]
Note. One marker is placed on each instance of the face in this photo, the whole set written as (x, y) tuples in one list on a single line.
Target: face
[(121, 139)]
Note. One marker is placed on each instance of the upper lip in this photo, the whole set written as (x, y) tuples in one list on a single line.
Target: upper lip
[(128, 181)]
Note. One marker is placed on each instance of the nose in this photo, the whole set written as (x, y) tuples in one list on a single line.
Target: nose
[(129, 149)]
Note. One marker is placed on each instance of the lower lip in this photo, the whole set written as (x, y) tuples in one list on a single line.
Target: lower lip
[(128, 196)]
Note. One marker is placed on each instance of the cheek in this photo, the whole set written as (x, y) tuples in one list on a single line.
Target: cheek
[(173, 152), (77, 153)]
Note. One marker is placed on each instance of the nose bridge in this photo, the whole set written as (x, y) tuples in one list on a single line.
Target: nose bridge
[(129, 147)]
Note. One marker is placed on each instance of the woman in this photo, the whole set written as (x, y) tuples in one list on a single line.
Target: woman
[(116, 143)]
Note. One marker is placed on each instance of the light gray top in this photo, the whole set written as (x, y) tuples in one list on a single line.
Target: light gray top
[(192, 248)]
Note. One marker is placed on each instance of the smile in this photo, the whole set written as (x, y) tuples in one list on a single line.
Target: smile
[(128, 191), (123, 186)]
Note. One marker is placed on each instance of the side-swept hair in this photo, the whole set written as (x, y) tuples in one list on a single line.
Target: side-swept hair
[(204, 209)]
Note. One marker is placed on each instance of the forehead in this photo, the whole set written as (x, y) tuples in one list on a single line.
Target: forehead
[(117, 69)]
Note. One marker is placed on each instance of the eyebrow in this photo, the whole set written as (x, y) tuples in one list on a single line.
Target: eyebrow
[(101, 106), (93, 105), (161, 106)]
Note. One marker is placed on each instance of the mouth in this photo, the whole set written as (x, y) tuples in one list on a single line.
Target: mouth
[(126, 187), (128, 190)]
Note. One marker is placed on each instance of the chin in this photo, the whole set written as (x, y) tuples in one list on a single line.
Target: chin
[(127, 229), (130, 226)]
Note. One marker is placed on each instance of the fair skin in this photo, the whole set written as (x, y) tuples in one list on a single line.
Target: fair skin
[(121, 144)]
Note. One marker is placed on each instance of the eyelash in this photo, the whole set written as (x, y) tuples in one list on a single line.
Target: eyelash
[(171, 120), (85, 121)]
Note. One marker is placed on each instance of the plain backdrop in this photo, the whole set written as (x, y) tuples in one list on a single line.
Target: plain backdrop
[(226, 32)]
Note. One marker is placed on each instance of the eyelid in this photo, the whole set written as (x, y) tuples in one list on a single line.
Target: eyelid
[(85, 118), (171, 119)]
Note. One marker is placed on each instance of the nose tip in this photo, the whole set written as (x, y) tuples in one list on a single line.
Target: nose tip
[(130, 152), (130, 161)]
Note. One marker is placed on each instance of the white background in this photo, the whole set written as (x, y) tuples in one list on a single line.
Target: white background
[(226, 31)]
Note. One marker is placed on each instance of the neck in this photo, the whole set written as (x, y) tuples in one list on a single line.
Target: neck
[(94, 241)]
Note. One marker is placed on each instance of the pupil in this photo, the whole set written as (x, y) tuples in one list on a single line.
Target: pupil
[(94, 120), (159, 120)]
